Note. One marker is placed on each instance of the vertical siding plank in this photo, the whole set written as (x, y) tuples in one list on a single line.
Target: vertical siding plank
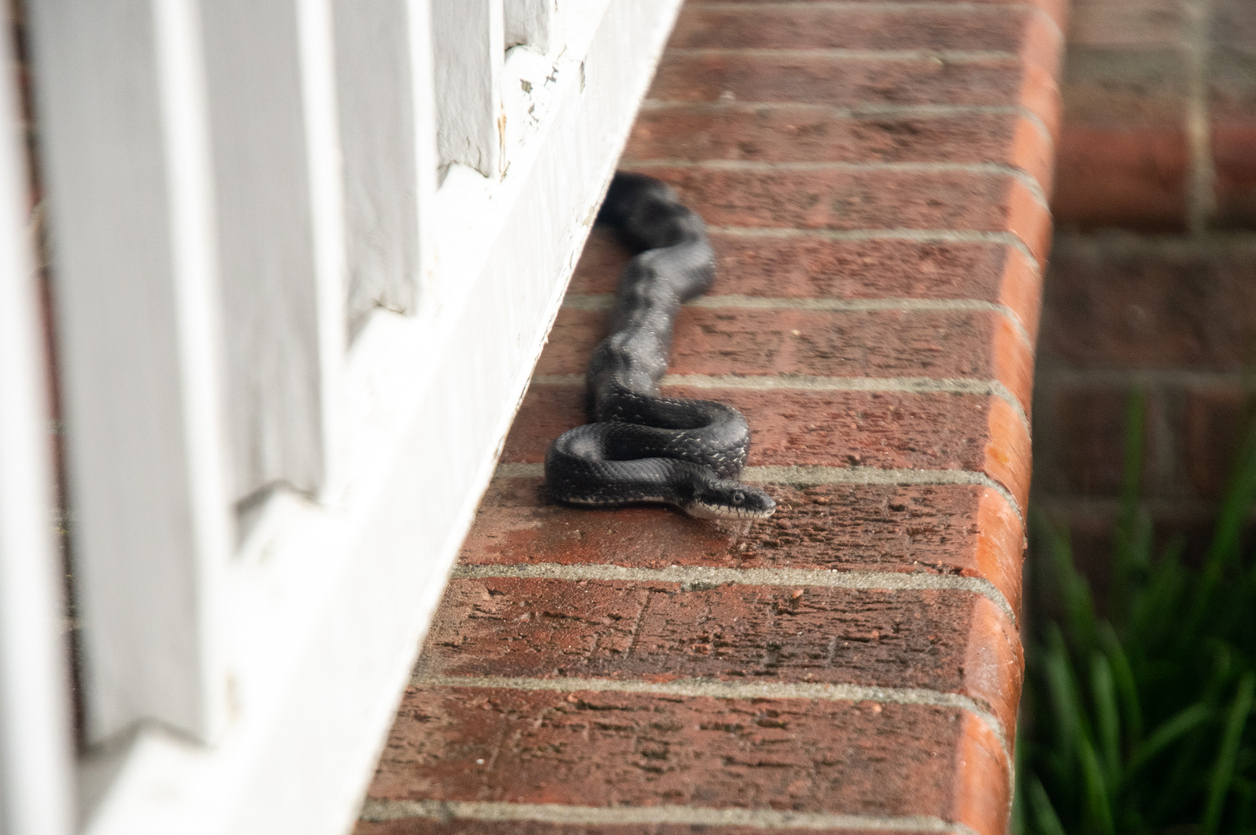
[(389, 157), (470, 47), (530, 23), (277, 183), (123, 128), (35, 760)]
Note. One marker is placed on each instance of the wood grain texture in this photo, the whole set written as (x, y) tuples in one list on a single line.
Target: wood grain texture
[(469, 38), (122, 105)]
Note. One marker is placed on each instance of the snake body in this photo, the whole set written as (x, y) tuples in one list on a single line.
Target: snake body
[(642, 447)]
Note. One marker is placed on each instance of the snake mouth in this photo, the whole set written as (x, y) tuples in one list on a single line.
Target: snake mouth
[(709, 510)]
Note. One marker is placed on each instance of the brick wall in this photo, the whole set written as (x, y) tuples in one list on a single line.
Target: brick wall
[(1154, 267), (875, 178), (1159, 116)]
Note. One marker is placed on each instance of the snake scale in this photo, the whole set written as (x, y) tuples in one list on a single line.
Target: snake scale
[(642, 447)]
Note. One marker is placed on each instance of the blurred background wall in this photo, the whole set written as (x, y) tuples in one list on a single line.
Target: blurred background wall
[(1152, 284)]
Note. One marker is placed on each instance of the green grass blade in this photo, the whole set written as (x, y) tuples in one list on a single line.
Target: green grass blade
[(1166, 734), (1071, 725), (1223, 771), (1098, 806), (1046, 821), (1126, 686), (1071, 586), (1224, 548), (1107, 719)]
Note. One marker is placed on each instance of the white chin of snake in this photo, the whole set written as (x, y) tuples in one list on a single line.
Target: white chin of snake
[(700, 510)]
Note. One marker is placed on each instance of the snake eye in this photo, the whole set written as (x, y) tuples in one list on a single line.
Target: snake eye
[(739, 497)]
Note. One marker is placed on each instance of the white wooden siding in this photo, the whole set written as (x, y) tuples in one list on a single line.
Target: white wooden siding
[(382, 157), (269, 78), (136, 299), (470, 43), (531, 23), (36, 793)]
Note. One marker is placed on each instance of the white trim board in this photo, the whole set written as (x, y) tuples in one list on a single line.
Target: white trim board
[(329, 601)]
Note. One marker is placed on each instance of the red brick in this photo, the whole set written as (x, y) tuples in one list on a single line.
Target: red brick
[(1129, 177), (839, 81), (846, 199), (944, 529), (810, 266), (1039, 93), (948, 641), (1007, 452), (1123, 306), (1026, 217), (1213, 426), (1234, 156), (979, 345), (833, 428), (1233, 23), (802, 133), (1130, 88), (1121, 23), (1091, 445), (998, 28), (612, 749), (463, 826), (983, 793), (1055, 9), (1041, 43)]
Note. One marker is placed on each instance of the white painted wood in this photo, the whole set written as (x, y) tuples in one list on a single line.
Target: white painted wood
[(385, 148), (35, 752), (422, 51), (280, 221), (470, 47), (531, 23), (329, 602), (122, 109)]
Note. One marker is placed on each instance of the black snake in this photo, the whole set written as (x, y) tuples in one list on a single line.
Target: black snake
[(642, 447)]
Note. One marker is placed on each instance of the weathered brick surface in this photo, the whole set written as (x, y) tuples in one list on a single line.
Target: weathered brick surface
[(996, 29), (839, 81), (856, 199), (608, 749), (812, 266), (1055, 9), (948, 641), (890, 430), (949, 529), (806, 133), (935, 344), (463, 826), (804, 146)]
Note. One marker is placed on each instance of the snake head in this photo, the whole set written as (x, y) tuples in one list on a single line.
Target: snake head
[(721, 499)]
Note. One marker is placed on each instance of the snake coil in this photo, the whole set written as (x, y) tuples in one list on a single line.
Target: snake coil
[(642, 447)]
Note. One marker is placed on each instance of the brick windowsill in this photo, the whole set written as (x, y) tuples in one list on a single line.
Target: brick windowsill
[(875, 177)]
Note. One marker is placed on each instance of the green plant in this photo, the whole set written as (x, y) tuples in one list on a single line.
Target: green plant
[(1140, 722)]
